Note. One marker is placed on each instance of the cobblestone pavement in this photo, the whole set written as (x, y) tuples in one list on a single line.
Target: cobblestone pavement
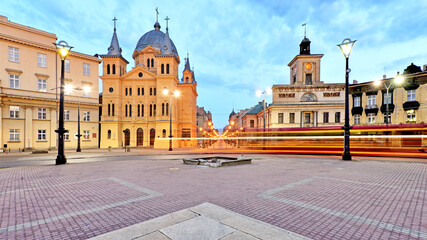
[(317, 197)]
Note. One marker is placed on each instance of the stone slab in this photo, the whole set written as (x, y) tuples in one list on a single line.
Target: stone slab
[(238, 235), (154, 236)]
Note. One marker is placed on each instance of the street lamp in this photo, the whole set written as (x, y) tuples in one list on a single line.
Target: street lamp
[(346, 47), (397, 81), (86, 89), (63, 50), (175, 94)]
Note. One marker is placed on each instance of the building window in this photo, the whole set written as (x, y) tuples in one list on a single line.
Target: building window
[(130, 110), (163, 109), (86, 135), (67, 115), (14, 112), (130, 91), (67, 65), (164, 133), (108, 68), (162, 68), (109, 109), (167, 109), (385, 118), (14, 135), (325, 117), (337, 117), (67, 136), (126, 110), (371, 118), (13, 54), (152, 62), (252, 123), (410, 116), (356, 101), (307, 117), (155, 91), (86, 69), (86, 116), (151, 91), (114, 68), (291, 117), (357, 119), (387, 98), (151, 110), (411, 95), (139, 91), (41, 113), (154, 109), (41, 60), (86, 93), (295, 79), (139, 110), (112, 109), (280, 118), (142, 110), (126, 91), (167, 68), (371, 100), (109, 134), (41, 135), (148, 62), (142, 91), (14, 81), (308, 80), (42, 85)]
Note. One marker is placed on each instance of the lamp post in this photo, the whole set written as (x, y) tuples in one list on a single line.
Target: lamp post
[(175, 94), (63, 49), (346, 47), (85, 89), (260, 93), (397, 81)]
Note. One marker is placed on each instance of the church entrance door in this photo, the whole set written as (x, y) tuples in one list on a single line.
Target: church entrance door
[(139, 137), (152, 136)]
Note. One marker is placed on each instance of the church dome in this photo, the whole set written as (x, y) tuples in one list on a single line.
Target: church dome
[(154, 38)]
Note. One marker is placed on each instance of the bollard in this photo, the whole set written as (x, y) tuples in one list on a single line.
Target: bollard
[(109, 148)]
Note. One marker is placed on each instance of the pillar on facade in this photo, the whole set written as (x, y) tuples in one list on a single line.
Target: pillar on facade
[(302, 119), (28, 142), (53, 134)]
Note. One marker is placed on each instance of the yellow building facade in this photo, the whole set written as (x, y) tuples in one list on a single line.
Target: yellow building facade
[(135, 110), (30, 72)]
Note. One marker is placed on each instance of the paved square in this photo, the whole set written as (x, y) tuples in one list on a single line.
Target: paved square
[(318, 197)]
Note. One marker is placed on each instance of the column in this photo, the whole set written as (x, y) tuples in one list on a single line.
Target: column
[(53, 135), (301, 119), (28, 128), (315, 119)]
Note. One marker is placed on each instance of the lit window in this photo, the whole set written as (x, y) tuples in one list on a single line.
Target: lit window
[(337, 117), (325, 117), (410, 116), (356, 101), (291, 117), (280, 118), (86, 116), (41, 113), (307, 117), (371, 118), (67, 65), (13, 54), (42, 85), (41, 135), (387, 98), (67, 115), (41, 60), (14, 135), (357, 119), (86, 135), (371, 100), (86, 69), (14, 81), (14, 111), (411, 95)]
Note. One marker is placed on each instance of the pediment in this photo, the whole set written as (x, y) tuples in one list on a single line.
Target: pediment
[(135, 74), (150, 49)]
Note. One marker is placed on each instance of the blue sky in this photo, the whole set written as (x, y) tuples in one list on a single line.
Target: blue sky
[(237, 47)]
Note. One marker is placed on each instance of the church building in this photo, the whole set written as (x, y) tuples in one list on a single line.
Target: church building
[(141, 106)]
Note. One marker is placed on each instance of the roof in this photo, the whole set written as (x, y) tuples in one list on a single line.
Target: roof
[(156, 39), (258, 108)]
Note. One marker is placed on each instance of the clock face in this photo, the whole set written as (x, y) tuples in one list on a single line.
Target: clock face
[(111, 89), (140, 74), (308, 66)]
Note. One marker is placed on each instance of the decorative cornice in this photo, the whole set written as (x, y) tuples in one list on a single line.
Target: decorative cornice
[(42, 76), (13, 71)]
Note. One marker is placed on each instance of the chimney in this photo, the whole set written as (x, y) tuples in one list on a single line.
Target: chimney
[(425, 68), (355, 81)]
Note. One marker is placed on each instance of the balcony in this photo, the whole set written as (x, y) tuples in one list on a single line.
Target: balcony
[(371, 109)]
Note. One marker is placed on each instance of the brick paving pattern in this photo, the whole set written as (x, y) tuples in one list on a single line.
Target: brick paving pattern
[(317, 197)]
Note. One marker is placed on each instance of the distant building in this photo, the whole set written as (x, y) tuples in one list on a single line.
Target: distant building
[(249, 118), (306, 101), (407, 102), (203, 119), (135, 111), (30, 71)]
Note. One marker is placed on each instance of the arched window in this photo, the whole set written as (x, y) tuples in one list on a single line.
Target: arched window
[(126, 91), (154, 111), (163, 109), (109, 109), (186, 79), (167, 68), (151, 110), (155, 91), (109, 134), (142, 91), (152, 62), (139, 91), (148, 62), (139, 110), (164, 133), (130, 110), (112, 110), (114, 68), (108, 68), (130, 91), (163, 68), (126, 110), (167, 109), (142, 110)]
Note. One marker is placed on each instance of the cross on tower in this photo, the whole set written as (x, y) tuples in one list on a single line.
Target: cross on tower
[(167, 19), (305, 28), (157, 14), (114, 20)]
